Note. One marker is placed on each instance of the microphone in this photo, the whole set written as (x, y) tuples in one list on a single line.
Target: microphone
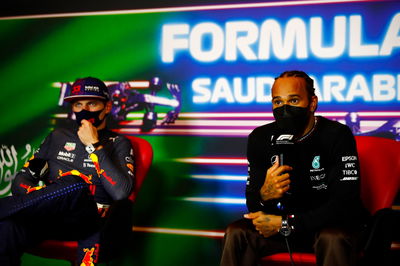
[(38, 168), (283, 144)]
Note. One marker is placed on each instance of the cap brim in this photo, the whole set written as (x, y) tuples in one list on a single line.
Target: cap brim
[(71, 98)]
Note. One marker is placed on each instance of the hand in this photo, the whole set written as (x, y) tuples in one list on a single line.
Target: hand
[(276, 182), (266, 224), (87, 133)]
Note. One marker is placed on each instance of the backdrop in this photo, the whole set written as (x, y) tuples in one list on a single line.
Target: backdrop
[(194, 82)]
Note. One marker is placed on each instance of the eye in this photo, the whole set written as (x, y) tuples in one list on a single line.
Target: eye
[(277, 102), (294, 101)]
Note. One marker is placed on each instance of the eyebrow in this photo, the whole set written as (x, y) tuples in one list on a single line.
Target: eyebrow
[(290, 96)]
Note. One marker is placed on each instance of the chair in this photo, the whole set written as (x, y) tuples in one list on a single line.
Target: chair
[(380, 182), (67, 250)]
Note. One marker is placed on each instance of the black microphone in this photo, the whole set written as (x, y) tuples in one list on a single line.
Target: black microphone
[(38, 168), (283, 144)]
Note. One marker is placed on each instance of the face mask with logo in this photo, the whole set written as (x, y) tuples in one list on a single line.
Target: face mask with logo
[(92, 117), (291, 119)]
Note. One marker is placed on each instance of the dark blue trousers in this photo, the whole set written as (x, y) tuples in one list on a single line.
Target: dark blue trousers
[(64, 210)]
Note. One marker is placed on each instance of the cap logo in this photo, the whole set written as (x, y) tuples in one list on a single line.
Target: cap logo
[(92, 88), (76, 89)]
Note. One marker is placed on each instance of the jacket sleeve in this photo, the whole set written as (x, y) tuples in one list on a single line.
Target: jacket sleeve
[(24, 182), (257, 157), (344, 207), (115, 167)]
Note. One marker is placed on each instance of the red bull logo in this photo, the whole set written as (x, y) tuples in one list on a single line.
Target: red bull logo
[(30, 189), (95, 161), (100, 171), (86, 178), (88, 257)]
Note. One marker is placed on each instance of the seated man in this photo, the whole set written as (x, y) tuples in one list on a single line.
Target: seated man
[(84, 169), (303, 184)]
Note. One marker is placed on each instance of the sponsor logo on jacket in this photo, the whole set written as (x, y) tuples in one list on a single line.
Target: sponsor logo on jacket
[(66, 156)]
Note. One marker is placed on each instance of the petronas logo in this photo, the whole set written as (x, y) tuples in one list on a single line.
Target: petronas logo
[(315, 163)]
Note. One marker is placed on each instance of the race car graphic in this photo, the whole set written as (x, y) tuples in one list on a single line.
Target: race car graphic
[(126, 98), (389, 128)]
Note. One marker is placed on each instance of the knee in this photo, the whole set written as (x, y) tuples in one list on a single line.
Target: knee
[(237, 230), (332, 238)]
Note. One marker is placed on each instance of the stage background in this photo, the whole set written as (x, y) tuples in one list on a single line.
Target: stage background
[(223, 60)]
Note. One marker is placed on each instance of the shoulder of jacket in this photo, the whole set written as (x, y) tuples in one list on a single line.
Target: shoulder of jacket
[(333, 126), (263, 130)]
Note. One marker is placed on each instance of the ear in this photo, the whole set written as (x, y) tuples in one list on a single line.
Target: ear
[(313, 103), (108, 107)]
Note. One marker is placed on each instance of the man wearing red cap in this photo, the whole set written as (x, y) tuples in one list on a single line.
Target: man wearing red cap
[(82, 169)]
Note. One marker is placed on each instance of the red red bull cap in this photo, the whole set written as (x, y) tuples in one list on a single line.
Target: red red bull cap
[(88, 87)]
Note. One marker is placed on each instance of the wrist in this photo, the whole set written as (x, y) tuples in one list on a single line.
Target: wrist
[(92, 147)]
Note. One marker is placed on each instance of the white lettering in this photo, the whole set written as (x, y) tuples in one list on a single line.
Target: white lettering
[(392, 38), (356, 47), (240, 38), (334, 86), (349, 178), (350, 172), (384, 87), (350, 165), (171, 42), (263, 85), (201, 89), (248, 40), (222, 90), (253, 89), (349, 158), (197, 40), (358, 88), (239, 90), (295, 37), (316, 38)]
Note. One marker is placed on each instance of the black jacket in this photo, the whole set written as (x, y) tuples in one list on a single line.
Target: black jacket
[(111, 179), (325, 183)]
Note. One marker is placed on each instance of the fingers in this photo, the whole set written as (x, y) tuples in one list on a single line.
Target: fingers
[(281, 171), (85, 123), (278, 174), (282, 186), (252, 215), (87, 133)]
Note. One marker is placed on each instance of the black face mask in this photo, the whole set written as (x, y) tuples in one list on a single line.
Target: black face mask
[(291, 119), (92, 117)]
